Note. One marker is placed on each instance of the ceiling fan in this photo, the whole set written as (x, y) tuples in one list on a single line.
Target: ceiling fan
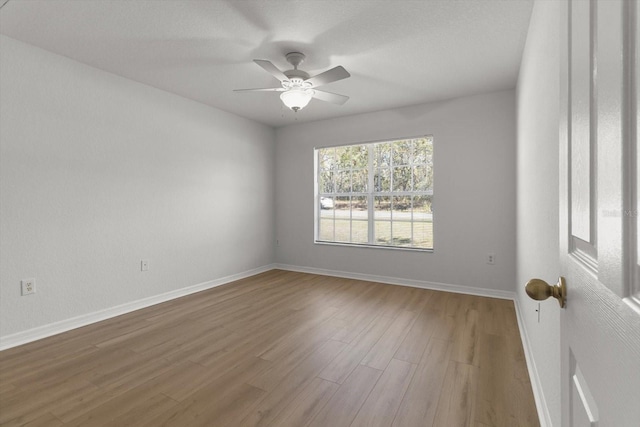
[(297, 86)]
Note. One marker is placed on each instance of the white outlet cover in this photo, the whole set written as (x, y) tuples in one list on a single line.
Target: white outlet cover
[(491, 258), (28, 286)]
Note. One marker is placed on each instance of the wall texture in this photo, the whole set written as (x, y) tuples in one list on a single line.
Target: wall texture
[(537, 214), (99, 172), (474, 192)]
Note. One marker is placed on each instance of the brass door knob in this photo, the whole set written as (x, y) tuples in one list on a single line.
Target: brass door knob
[(540, 290)]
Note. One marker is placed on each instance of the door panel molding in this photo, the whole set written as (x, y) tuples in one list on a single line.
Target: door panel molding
[(599, 331), (633, 153)]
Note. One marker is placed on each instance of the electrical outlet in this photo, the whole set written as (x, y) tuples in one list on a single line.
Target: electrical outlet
[(28, 286), (491, 258), (144, 265)]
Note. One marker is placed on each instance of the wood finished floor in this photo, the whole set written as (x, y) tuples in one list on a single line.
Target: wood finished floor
[(281, 349)]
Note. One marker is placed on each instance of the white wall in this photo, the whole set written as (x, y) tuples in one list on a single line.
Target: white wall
[(99, 172), (538, 96), (474, 184)]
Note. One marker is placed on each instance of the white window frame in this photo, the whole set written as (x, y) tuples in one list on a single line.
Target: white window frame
[(370, 194)]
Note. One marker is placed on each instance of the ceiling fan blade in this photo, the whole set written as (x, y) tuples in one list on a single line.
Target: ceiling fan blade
[(332, 75), (271, 69), (330, 97), (266, 89)]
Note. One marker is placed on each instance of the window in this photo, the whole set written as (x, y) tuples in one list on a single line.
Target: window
[(376, 194)]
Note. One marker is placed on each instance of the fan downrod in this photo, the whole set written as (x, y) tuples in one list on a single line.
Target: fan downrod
[(295, 59)]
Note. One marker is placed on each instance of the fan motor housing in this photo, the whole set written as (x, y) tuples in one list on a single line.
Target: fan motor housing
[(292, 74)]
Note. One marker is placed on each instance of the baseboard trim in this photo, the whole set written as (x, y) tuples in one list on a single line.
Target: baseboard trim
[(51, 329), (483, 292), (538, 394)]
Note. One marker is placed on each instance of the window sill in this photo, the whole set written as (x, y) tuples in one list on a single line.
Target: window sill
[(633, 302), (365, 245)]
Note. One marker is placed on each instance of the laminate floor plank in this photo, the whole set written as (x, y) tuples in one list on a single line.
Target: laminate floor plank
[(352, 298), (344, 364), (380, 407), (500, 392), (224, 396), (395, 302), (312, 328), (382, 352), (281, 349), (183, 379), (274, 402), (456, 406), (297, 352), (306, 405), (150, 408), (412, 347), (491, 316), (26, 406), (346, 402), (465, 337), (359, 300), (47, 420), (80, 404), (363, 310), (419, 299), (133, 375), (115, 407), (420, 401), (7, 388), (57, 371)]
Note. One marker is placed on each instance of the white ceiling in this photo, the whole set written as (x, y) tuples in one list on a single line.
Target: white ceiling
[(399, 52)]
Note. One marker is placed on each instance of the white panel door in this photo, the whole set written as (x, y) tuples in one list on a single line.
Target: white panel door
[(600, 326)]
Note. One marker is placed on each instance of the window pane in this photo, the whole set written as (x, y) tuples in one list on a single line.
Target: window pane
[(401, 233), (419, 153), (359, 156), (343, 230), (359, 181), (401, 215), (423, 234), (423, 222), (382, 233), (422, 178), (422, 208), (359, 208), (382, 180), (402, 179), (326, 207), (360, 231), (326, 229), (342, 207), (402, 151), (326, 157), (382, 207), (326, 182), (402, 207), (423, 150), (343, 181), (382, 156), (342, 158), (360, 220)]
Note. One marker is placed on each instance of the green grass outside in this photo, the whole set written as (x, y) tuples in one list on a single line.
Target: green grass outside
[(396, 233)]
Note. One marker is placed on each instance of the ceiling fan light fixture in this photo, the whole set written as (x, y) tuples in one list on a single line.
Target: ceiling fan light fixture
[(296, 98), (297, 87)]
